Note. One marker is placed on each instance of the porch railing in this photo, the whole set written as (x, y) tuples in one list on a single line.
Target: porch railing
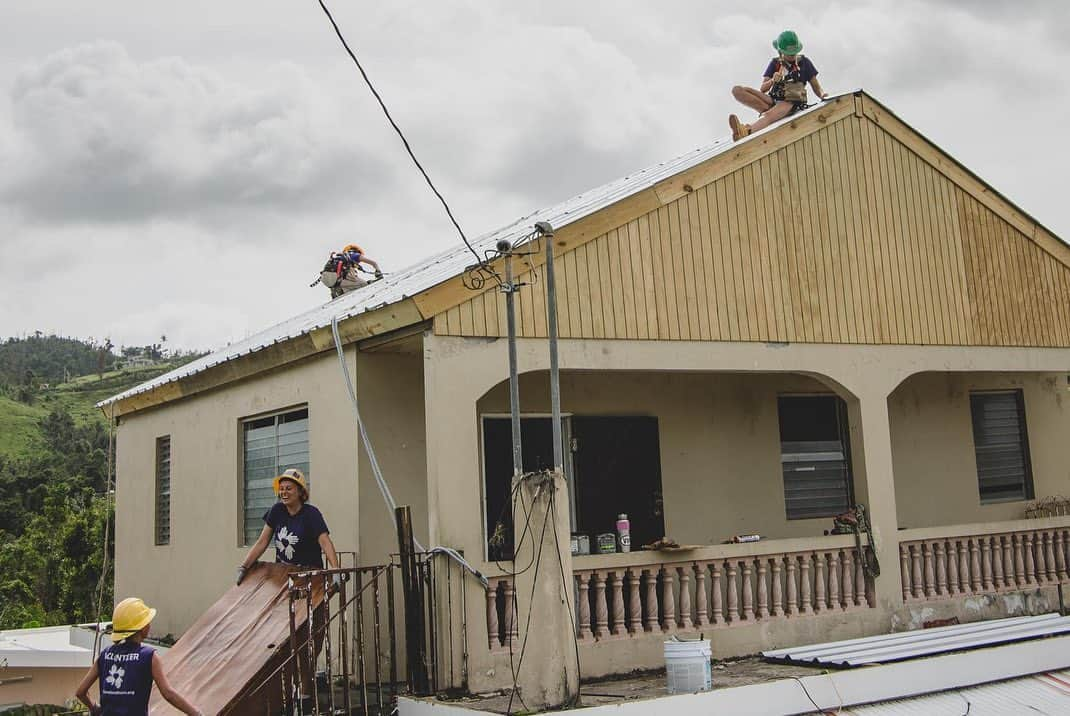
[(632, 595), (984, 561)]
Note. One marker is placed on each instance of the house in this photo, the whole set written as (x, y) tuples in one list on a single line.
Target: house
[(44, 665), (754, 337)]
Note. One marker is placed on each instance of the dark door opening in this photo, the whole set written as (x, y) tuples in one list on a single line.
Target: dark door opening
[(815, 455)]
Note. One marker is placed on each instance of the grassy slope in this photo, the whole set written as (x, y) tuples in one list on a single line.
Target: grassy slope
[(19, 435)]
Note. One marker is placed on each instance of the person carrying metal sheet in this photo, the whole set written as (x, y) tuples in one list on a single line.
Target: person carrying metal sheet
[(783, 89), (301, 538), (127, 669)]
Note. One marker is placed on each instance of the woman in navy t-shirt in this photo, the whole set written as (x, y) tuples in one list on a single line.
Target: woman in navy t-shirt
[(128, 668)]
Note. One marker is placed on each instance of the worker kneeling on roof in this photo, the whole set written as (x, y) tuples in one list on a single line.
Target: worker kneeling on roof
[(783, 88), (299, 534), (342, 271)]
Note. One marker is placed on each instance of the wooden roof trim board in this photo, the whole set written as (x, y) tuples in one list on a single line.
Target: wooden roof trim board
[(973, 185)]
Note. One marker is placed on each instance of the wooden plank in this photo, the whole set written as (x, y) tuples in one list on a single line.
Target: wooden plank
[(935, 272), (1062, 276), (479, 318), (726, 310), (995, 262), (710, 255), (1028, 253), (862, 280), (467, 324), (881, 310), (918, 260), (698, 241), (642, 267), (577, 295), (736, 219), (1057, 248), (806, 317), (658, 276), (604, 316), (1026, 318), (751, 150), (669, 274), (591, 308), (881, 237), (678, 225), (839, 266), (789, 284), (926, 253), (748, 243), (974, 243), (1052, 270), (948, 242), (626, 313), (900, 235), (763, 274), (538, 298), (818, 302), (774, 301)]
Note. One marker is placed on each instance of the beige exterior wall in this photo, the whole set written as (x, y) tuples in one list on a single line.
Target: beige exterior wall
[(46, 686), (719, 439), (183, 578), (933, 453)]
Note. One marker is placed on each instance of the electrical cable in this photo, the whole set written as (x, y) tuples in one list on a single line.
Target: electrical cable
[(401, 135), (384, 488), (109, 500)]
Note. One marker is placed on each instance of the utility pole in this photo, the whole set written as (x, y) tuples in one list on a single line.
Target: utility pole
[(510, 290), (547, 232)]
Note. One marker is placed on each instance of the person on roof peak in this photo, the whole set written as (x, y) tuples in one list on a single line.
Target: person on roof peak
[(783, 89), (127, 669), (341, 274)]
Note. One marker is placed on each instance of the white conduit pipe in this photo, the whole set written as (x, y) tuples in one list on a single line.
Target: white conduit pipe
[(384, 488)]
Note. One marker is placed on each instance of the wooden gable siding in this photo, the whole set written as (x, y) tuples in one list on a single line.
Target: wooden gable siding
[(844, 236)]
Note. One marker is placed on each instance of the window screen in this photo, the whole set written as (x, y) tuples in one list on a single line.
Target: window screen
[(1001, 445), (163, 490), (271, 445), (814, 455)]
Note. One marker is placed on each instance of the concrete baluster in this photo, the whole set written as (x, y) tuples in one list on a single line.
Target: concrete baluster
[(1019, 560), (820, 604), (807, 602), (986, 564), (1030, 563), (733, 593), (510, 614), (748, 591), (964, 566), (954, 585), (915, 571), (975, 565), (777, 588), (793, 590), (650, 584), (1060, 555), (763, 591), (584, 609), (668, 604), (930, 570), (848, 579), (941, 568), (494, 638), (601, 610), (834, 580), (616, 587), (701, 608), (1040, 566), (715, 593), (904, 569), (685, 597), (1049, 555), (862, 595), (997, 562), (635, 607)]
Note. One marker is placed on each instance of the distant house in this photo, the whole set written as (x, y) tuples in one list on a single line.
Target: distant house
[(43, 665), (139, 361), (754, 337)]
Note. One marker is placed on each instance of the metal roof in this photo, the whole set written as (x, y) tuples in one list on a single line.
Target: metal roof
[(1046, 693), (436, 269), (923, 642)]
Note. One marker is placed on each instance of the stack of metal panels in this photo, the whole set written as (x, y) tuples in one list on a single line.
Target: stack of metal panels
[(922, 642)]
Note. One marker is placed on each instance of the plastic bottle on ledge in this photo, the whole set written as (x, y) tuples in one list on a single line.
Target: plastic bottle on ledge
[(624, 533)]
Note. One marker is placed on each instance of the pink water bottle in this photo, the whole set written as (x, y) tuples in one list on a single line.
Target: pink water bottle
[(624, 533)]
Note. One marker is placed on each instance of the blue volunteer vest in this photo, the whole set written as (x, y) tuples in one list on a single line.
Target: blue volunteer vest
[(125, 671)]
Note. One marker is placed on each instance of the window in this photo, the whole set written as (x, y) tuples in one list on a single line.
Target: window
[(163, 490), (1001, 445), (613, 465), (271, 444), (814, 455)]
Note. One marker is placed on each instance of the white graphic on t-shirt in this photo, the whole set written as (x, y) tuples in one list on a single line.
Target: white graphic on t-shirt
[(115, 676), (285, 541)]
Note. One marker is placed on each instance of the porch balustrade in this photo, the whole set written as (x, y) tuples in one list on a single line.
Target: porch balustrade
[(1025, 555), (631, 595)]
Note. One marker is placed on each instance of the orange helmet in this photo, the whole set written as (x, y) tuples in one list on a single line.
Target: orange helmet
[(352, 247)]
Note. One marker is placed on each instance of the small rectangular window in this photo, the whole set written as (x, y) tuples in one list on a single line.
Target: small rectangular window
[(814, 456), (163, 490), (1001, 444), (270, 445)]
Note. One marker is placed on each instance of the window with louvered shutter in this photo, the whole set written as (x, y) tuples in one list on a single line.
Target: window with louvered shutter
[(163, 490), (271, 444), (814, 456), (1001, 445)]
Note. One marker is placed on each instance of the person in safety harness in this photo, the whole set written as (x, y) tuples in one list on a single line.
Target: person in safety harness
[(342, 271), (783, 89), (127, 668)]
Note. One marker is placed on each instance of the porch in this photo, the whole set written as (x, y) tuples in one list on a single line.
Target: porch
[(905, 449)]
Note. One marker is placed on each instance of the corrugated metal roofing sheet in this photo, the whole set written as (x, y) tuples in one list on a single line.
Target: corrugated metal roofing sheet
[(923, 642), (422, 276), (1047, 693)]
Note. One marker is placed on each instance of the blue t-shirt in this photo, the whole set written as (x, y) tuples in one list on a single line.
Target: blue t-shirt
[(802, 70), (125, 672), (297, 536)]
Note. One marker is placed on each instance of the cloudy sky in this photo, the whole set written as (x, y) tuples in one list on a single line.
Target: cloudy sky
[(184, 168)]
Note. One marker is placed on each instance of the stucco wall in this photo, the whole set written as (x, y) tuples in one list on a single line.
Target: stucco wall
[(183, 578), (719, 438), (933, 453), (46, 685)]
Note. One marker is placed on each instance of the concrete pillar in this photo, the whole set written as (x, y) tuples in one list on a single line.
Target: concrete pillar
[(871, 446), (548, 675)]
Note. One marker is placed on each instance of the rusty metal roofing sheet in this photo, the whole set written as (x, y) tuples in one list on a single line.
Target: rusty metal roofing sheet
[(452, 262), (923, 642)]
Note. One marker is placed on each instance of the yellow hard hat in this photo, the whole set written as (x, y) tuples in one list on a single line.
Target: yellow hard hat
[(352, 247), (130, 616), (292, 474)]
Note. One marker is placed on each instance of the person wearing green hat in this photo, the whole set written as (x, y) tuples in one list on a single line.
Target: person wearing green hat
[(783, 89)]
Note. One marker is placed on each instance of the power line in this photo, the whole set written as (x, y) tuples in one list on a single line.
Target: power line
[(400, 134)]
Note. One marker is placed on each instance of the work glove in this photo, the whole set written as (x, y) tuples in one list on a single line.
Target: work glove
[(336, 581), (242, 570), (378, 273)]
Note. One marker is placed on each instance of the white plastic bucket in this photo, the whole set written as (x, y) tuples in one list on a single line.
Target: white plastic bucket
[(687, 666)]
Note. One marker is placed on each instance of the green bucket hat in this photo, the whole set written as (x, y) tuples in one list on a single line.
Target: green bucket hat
[(788, 43)]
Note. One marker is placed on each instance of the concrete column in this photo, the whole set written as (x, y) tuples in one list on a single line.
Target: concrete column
[(548, 675), (871, 447)]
